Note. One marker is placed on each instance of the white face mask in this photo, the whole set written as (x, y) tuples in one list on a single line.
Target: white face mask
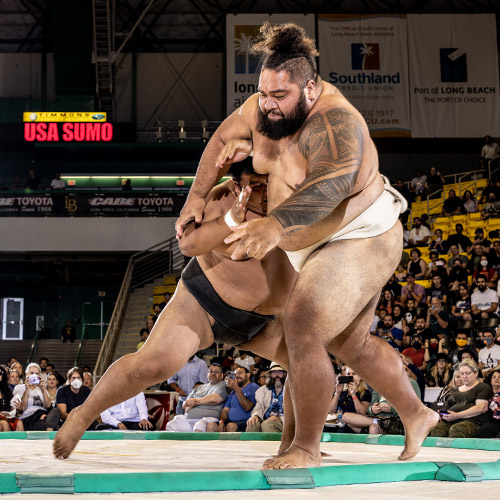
[(76, 384), (484, 263)]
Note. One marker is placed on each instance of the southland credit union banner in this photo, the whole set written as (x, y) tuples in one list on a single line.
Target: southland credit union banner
[(365, 57), (453, 75), (242, 76)]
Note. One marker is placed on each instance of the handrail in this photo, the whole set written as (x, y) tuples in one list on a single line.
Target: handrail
[(429, 197), (80, 347), (33, 349), (143, 267)]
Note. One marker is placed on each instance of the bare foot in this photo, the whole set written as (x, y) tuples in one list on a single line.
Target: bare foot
[(293, 458), (68, 435), (417, 430)]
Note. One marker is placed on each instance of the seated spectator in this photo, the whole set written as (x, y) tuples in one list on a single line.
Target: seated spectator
[(150, 323), (484, 269), (433, 255), (424, 219), (454, 383), (166, 297), (245, 360), (417, 184), (455, 254), (68, 332), (353, 399), (462, 342), (459, 239), (400, 186), (412, 290), (484, 301), (393, 285), (14, 379), (57, 182), (489, 356), (453, 205), (441, 373), (72, 394), (470, 202), (16, 184), (261, 378), (239, 404), (491, 429), (434, 182), (35, 402), (144, 334), (33, 182), (458, 277), (470, 354), (52, 386), (475, 252), (131, 415), (18, 367), (437, 290), (465, 411), (42, 363), (88, 380), (156, 311), (461, 309), (434, 348), (268, 413), (8, 419), (393, 336), (410, 314), (203, 405), (416, 353), (386, 301), (52, 369), (437, 319), (437, 243), (419, 235), (398, 317), (494, 256), (491, 207)]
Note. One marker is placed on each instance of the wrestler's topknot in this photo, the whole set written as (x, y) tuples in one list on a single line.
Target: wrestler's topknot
[(286, 47)]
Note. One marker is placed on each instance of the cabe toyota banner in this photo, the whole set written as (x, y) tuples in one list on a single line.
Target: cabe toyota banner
[(365, 57), (453, 75), (242, 68)]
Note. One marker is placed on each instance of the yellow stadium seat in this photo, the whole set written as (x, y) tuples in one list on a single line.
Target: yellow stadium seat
[(169, 280), (474, 216)]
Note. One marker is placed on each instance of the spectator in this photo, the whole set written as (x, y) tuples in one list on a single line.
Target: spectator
[(410, 314), (437, 319), (33, 181), (412, 290), (489, 356), (35, 402), (452, 205), (88, 380), (68, 332), (239, 404), (387, 301), (441, 373), (144, 334), (268, 413), (484, 300), (203, 405), (415, 352), (14, 379), (16, 185), (459, 239), (470, 202), (72, 394), (8, 419), (484, 269), (400, 186), (42, 363), (438, 244), (434, 182), (245, 360), (457, 277), (150, 323), (166, 297), (11, 361), (419, 235), (157, 311), (398, 317), (466, 408), (461, 310), (491, 207), (57, 182), (489, 152), (183, 381), (479, 239), (261, 378), (455, 254), (455, 383), (424, 219), (462, 341), (437, 290), (52, 386), (417, 265), (491, 429), (394, 286), (417, 184), (353, 399), (494, 256), (393, 336), (52, 369), (434, 347), (131, 415), (490, 188)]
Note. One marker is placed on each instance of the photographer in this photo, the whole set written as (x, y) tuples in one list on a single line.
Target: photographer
[(437, 320)]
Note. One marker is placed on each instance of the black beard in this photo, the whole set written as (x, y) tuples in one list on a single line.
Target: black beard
[(285, 126)]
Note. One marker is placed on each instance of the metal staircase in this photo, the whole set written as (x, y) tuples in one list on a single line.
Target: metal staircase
[(103, 56)]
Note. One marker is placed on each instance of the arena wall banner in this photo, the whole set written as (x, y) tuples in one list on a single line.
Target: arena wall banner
[(365, 57), (242, 68), (453, 75)]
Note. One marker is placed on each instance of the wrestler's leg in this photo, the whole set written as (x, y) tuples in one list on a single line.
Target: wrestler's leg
[(329, 295), (182, 329), (381, 367)]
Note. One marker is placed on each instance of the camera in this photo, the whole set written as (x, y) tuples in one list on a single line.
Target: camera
[(346, 380), (443, 412), (231, 375), (33, 380)]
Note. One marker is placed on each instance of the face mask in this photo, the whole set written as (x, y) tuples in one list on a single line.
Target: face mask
[(461, 342), (76, 384), (434, 345), (488, 341), (484, 263), (417, 345)]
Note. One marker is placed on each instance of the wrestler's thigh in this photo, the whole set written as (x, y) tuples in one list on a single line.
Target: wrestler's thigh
[(269, 343), (182, 325), (337, 282)]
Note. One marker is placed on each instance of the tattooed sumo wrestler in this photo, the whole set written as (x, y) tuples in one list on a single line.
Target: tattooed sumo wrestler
[(337, 219)]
